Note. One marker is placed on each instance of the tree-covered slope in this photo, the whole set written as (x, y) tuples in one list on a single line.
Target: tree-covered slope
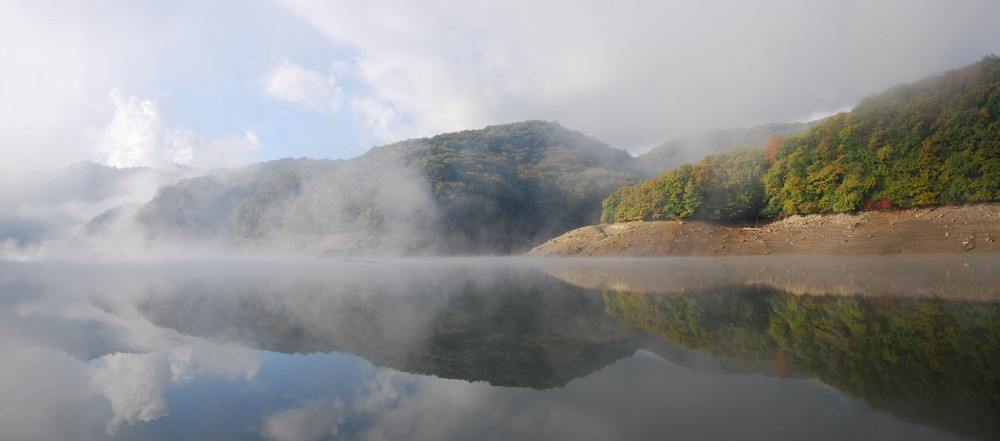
[(935, 141), (726, 186), (517, 182), (495, 190), (207, 206)]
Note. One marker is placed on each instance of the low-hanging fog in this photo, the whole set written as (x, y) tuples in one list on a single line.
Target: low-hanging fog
[(46, 214)]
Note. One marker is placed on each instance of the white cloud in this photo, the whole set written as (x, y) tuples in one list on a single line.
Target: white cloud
[(61, 58), (380, 118), (42, 82), (292, 83), (139, 135), (632, 72), (136, 136), (636, 71), (227, 151)]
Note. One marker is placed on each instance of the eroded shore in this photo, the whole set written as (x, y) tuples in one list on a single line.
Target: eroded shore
[(928, 230)]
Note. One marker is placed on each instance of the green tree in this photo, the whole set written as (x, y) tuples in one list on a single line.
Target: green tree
[(726, 186)]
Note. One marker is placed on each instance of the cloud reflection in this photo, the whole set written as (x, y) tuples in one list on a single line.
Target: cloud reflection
[(134, 384), (313, 420), (45, 396), (318, 418), (658, 400)]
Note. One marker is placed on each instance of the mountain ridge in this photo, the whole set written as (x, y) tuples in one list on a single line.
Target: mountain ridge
[(495, 190)]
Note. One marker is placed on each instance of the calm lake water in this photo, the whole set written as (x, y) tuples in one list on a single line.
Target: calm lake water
[(474, 349)]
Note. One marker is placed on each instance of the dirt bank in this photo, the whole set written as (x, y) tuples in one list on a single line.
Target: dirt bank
[(929, 230)]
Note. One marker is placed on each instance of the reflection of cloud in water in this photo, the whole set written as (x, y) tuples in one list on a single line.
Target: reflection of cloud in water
[(319, 418), (660, 400), (229, 362), (134, 384), (121, 322), (314, 420), (45, 396)]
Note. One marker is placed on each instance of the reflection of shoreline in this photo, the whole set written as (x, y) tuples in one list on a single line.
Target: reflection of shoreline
[(973, 277)]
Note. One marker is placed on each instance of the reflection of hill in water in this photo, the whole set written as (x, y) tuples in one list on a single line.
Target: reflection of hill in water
[(512, 327), (929, 361)]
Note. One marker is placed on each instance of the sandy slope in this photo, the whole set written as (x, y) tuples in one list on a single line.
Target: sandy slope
[(929, 230)]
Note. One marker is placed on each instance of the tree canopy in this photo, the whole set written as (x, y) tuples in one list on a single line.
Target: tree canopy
[(726, 186), (936, 141)]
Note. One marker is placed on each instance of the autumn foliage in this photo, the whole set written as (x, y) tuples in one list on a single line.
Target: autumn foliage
[(935, 141), (726, 186), (771, 149)]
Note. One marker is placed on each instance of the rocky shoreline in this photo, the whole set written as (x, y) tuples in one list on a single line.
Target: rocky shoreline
[(926, 230)]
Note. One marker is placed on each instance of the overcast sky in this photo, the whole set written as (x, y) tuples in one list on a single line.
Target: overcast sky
[(228, 82)]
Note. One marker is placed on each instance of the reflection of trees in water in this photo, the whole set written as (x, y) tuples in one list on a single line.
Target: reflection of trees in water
[(927, 360)]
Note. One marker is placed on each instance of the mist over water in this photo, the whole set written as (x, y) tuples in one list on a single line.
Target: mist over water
[(88, 212), (78, 211), (510, 348)]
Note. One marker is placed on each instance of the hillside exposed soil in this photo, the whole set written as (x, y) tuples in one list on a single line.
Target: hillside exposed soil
[(928, 230)]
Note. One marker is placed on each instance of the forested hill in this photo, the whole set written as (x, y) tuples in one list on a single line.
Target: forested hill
[(496, 190), (935, 141)]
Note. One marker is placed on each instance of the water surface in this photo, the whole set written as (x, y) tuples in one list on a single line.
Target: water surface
[(746, 348)]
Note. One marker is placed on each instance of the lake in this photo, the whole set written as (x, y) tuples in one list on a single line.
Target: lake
[(877, 347)]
